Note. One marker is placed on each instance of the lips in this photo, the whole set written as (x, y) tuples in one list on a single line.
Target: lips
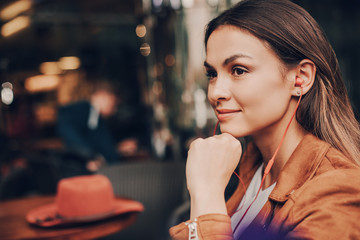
[(225, 114)]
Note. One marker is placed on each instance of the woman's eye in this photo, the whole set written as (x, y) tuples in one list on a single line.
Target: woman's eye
[(237, 71), (211, 74)]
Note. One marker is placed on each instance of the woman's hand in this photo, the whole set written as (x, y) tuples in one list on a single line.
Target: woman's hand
[(210, 164)]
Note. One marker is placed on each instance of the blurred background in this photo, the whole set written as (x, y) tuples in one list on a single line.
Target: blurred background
[(54, 52)]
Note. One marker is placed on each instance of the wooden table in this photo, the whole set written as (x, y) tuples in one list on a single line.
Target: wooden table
[(14, 226)]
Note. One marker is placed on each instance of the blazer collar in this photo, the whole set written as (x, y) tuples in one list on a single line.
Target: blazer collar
[(300, 167)]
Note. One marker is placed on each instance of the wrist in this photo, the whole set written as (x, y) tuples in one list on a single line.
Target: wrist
[(207, 204)]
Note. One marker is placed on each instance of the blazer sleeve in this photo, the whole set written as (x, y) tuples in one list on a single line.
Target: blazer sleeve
[(209, 227)]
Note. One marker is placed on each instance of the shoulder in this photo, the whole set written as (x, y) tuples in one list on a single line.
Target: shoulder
[(333, 182), (335, 194), (329, 199), (334, 175), (333, 187), (323, 156), (338, 160)]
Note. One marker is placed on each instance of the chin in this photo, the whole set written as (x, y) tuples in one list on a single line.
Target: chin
[(233, 131)]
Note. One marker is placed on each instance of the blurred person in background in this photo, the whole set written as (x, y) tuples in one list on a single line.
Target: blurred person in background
[(82, 128)]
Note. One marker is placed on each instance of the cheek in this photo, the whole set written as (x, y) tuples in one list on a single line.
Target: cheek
[(250, 95), (266, 110), (265, 103)]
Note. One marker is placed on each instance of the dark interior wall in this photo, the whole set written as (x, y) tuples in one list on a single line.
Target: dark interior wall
[(102, 34), (340, 19)]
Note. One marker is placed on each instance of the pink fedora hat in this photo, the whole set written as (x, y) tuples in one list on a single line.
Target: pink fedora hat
[(82, 199)]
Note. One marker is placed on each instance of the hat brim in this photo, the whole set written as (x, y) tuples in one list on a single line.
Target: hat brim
[(46, 215)]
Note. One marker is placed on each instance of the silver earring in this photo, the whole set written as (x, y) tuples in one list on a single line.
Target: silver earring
[(298, 93)]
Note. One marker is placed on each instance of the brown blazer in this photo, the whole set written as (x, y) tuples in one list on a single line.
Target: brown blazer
[(317, 196)]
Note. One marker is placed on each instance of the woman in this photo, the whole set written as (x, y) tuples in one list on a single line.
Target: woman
[(300, 176)]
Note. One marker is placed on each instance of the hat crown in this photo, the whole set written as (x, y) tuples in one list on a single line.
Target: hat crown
[(85, 196), (82, 199)]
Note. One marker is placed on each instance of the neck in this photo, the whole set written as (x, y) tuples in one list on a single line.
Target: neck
[(268, 143)]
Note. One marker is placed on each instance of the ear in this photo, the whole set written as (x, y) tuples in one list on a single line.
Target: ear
[(305, 70)]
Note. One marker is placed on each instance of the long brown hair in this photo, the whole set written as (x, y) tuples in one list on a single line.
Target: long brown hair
[(294, 35)]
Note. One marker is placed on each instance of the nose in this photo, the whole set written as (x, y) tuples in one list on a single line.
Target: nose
[(219, 90)]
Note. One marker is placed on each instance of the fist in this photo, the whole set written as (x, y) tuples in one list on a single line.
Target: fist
[(211, 162)]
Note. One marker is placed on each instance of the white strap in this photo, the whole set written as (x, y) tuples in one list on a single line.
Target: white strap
[(193, 235)]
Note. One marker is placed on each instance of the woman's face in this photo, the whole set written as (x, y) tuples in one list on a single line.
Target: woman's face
[(248, 86)]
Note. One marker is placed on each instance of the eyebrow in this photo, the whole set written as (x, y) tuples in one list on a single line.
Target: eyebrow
[(234, 57), (230, 59)]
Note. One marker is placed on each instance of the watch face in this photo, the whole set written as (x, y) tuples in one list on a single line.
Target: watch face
[(7, 96)]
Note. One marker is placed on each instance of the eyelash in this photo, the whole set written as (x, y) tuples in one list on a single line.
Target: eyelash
[(210, 74), (236, 68)]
